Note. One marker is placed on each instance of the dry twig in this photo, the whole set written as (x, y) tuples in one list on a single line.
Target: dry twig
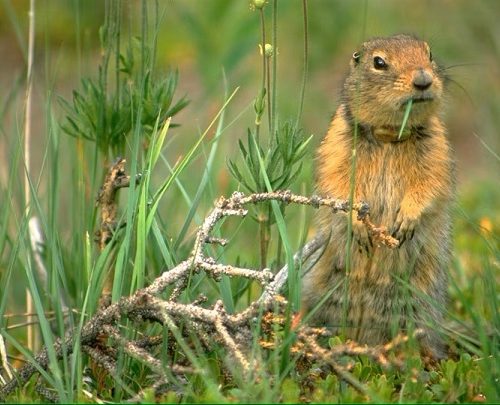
[(211, 324), (115, 179)]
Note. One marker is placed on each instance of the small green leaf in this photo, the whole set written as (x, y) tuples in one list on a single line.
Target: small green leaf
[(158, 144), (405, 117)]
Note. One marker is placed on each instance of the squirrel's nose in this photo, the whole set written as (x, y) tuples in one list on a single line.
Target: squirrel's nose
[(422, 79)]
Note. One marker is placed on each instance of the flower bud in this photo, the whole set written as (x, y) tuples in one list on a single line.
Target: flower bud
[(257, 4), (268, 50)]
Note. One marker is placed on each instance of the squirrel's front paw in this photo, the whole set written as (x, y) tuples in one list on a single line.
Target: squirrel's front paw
[(360, 235), (404, 227)]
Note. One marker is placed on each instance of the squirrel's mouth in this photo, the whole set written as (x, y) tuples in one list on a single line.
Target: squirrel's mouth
[(417, 98), (422, 99)]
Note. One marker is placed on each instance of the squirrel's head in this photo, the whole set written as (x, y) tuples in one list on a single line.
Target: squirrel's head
[(386, 74)]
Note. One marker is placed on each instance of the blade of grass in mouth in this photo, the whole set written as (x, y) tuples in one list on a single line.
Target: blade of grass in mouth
[(405, 117)]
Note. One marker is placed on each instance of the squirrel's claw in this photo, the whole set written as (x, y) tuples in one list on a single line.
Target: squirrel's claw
[(404, 227), (361, 236)]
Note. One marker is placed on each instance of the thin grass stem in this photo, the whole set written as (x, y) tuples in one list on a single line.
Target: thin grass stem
[(305, 62), (274, 92), (32, 340)]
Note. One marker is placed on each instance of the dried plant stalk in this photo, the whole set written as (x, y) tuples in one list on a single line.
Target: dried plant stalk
[(211, 324), (115, 179)]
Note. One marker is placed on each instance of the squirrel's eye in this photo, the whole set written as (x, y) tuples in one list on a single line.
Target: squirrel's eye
[(379, 63), (356, 56)]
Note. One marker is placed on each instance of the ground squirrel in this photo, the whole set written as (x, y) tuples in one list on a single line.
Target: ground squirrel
[(407, 180)]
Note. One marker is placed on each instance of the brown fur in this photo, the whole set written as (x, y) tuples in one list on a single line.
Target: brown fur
[(408, 184)]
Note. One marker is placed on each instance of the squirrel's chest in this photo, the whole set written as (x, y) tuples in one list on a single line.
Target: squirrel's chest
[(382, 177), (384, 172)]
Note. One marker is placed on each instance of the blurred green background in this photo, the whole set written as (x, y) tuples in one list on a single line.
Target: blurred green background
[(203, 39)]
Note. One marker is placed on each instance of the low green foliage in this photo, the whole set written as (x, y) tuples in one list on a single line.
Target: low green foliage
[(282, 159), (451, 381), (107, 117)]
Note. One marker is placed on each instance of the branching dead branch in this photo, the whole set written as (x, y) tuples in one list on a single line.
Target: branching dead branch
[(210, 324)]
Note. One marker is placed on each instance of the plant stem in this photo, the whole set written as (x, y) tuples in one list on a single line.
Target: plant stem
[(144, 33), (155, 36), (264, 213), (27, 112), (306, 62), (348, 264), (263, 86), (117, 29), (278, 253), (103, 75), (27, 156), (273, 99), (275, 63), (263, 244), (269, 114), (263, 33)]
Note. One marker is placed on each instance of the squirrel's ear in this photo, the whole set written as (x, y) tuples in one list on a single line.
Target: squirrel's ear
[(356, 56)]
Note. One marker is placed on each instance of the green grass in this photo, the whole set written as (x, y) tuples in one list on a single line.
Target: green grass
[(186, 163)]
